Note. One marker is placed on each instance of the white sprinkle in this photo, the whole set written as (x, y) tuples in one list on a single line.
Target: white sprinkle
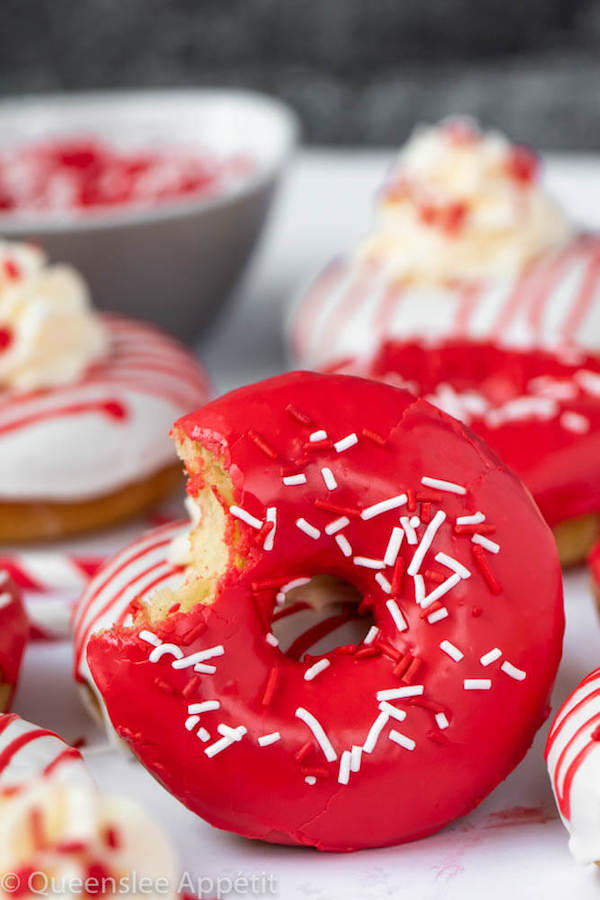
[(371, 634), (203, 734), (402, 740), (191, 722), (308, 529), (291, 480), (411, 537), (198, 657), (419, 589), (266, 739), (319, 733), (410, 690), (5, 600), (368, 563), (513, 672), (150, 638), (415, 521), (294, 583), (272, 640), (204, 706), (484, 542), (440, 590), (383, 583), (477, 684), (393, 547), (426, 542), (344, 544), (318, 436), (474, 519), (374, 732), (453, 564), (245, 517), (383, 506), (388, 709), (437, 616), (442, 721), (233, 735), (314, 670), (349, 441), (310, 779), (337, 525), (442, 485), (344, 772), (396, 614), (271, 516), (204, 669), (575, 422), (329, 478), (355, 757), (163, 649), (488, 658), (4, 576), (451, 651)]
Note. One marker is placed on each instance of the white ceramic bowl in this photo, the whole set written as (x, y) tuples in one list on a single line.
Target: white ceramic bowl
[(176, 262)]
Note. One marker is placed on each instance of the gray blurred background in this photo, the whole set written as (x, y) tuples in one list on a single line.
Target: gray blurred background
[(358, 71)]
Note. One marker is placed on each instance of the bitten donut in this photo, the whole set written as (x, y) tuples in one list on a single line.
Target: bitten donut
[(539, 411), (14, 629), (58, 828), (374, 742), (573, 758), (85, 404)]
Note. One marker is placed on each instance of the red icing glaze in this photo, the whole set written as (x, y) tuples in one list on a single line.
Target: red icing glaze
[(467, 736), (540, 413), (14, 629)]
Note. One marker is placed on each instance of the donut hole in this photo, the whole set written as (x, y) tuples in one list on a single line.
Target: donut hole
[(319, 616)]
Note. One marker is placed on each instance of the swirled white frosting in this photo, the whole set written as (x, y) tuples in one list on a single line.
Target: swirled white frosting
[(49, 333), (460, 203)]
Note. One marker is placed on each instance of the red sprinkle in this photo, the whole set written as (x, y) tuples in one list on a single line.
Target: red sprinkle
[(112, 838), (398, 576), (522, 165), (6, 337), (484, 567), (270, 687), (425, 512), (304, 751), (11, 269), (298, 415), (262, 444), (374, 437), (367, 652), (411, 500), (349, 511), (191, 687)]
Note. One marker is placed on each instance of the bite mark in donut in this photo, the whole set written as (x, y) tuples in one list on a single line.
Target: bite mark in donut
[(371, 743)]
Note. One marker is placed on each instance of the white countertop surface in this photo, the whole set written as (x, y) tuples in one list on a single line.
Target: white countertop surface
[(513, 844)]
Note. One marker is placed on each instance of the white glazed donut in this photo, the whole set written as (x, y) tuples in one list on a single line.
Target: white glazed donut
[(105, 431), (56, 827), (27, 752), (573, 758), (355, 305)]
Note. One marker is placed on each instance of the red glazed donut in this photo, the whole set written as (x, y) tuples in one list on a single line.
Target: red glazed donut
[(370, 744), (538, 410), (14, 629)]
